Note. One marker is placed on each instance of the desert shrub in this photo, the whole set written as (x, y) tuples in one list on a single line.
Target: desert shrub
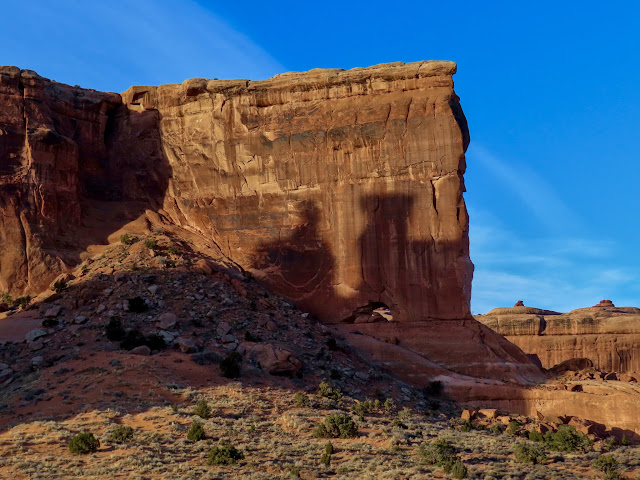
[(398, 424), (114, 330), (389, 405), (608, 466), (151, 244), (202, 409), (230, 366), (326, 390), (513, 428), (336, 426), (6, 298), (529, 453), (300, 399), (458, 470), (442, 454), (127, 239), (84, 443), (252, 337), (536, 436), (132, 339), (332, 344), (294, 472), (196, 432), (22, 301), (49, 322), (59, 286), (434, 388), (155, 342), (121, 434), (437, 453), (496, 428), (137, 305), (326, 455), (625, 441), (365, 407), (567, 439), (224, 454), (172, 250)]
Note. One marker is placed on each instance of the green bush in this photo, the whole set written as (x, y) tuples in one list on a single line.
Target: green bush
[(224, 454), (442, 454), (83, 443), (137, 305), (567, 439), (365, 407), (151, 244), (536, 436), (22, 301), (326, 390), (496, 428), (389, 405), (132, 339), (127, 239), (202, 409), (530, 453), (59, 286), (300, 399), (155, 342), (326, 455), (438, 453), (336, 426), (196, 432), (121, 434), (434, 389), (6, 298), (230, 366), (513, 428), (458, 470), (114, 330), (608, 466)]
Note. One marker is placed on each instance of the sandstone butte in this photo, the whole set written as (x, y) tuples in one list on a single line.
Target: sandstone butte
[(340, 190), (606, 335)]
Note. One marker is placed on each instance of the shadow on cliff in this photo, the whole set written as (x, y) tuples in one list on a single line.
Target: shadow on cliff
[(116, 184), (394, 270)]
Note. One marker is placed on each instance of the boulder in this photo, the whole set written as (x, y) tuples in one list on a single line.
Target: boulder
[(186, 345), (141, 350), (167, 321), (35, 334), (274, 360), (53, 311), (488, 413)]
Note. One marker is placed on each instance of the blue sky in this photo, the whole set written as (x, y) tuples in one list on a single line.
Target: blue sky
[(550, 90)]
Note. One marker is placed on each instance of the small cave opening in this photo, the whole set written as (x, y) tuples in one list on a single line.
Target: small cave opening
[(372, 312)]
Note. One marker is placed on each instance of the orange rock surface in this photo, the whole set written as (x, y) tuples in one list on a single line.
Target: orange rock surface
[(609, 336), (339, 189)]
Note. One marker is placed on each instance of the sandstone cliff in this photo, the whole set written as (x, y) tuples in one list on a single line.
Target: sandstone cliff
[(609, 336), (341, 190)]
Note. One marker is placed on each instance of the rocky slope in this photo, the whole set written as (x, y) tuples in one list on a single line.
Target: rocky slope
[(606, 335)]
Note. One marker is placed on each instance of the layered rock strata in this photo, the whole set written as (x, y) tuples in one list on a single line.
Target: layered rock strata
[(341, 190), (608, 336)]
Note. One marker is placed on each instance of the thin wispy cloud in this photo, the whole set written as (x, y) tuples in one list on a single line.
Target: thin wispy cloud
[(528, 186), (119, 43)]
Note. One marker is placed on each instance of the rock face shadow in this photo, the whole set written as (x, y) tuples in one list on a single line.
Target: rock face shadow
[(75, 166)]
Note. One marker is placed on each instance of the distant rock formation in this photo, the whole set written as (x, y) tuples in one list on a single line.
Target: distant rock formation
[(608, 336)]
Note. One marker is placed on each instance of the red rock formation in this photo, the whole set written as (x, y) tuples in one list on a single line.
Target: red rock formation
[(606, 335), (339, 189), (63, 150)]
